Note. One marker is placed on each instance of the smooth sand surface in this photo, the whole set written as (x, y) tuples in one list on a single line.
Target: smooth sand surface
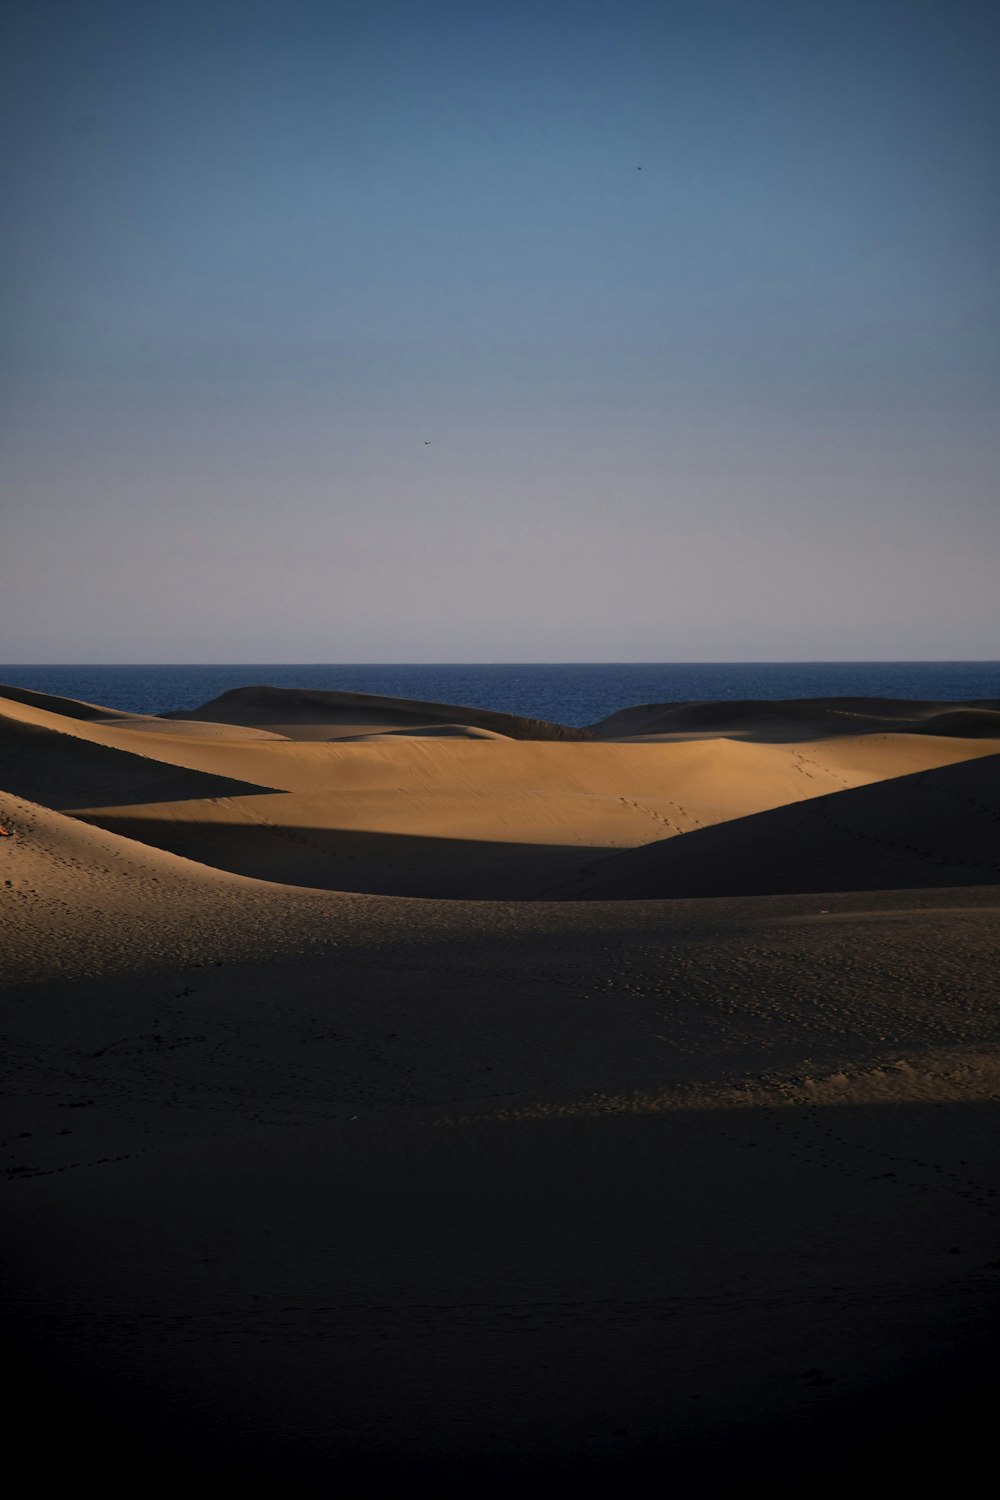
[(336, 1157)]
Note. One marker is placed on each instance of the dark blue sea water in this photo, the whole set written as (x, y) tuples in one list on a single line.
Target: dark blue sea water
[(575, 693)]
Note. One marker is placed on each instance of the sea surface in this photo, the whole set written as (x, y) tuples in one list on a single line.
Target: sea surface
[(576, 693)]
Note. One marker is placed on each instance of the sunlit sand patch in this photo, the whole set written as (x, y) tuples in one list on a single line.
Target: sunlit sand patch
[(935, 1078)]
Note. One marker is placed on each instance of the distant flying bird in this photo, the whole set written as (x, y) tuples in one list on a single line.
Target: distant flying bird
[(427, 442)]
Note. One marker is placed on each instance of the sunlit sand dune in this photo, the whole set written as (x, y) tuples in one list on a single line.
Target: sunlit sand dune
[(655, 1138), (423, 812), (77, 900)]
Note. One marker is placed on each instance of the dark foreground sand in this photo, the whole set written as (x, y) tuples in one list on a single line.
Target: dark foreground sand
[(688, 1188)]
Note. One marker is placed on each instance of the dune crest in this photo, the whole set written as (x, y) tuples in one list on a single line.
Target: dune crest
[(302, 714), (803, 718)]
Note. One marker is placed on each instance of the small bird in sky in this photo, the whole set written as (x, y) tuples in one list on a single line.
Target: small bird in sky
[(427, 442)]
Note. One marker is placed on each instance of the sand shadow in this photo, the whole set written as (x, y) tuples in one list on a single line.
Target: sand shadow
[(345, 859), (795, 720), (934, 828), (791, 1286), (62, 772)]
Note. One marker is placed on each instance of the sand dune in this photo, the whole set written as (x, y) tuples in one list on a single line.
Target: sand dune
[(936, 828), (78, 900), (68, 708), (92, 713), (458, 812), (345, 1190), (490, 821), (326, 715), (432, 732), (45, 765), (803, 718)]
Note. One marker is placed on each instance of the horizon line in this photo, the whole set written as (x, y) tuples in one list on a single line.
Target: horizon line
[(815, 661)]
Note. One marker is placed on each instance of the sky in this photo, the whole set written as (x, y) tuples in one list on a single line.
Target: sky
[(366, 330)]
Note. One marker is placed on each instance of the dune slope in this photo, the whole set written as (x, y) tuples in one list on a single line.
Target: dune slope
[(936, 828)]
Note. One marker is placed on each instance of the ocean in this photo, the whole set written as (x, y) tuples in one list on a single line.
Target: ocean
[(576, 693)]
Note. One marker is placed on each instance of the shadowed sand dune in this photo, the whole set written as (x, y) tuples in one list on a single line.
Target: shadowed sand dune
[(69, 708), (44, 765), (346, 1192), (92, 713), (803, 718), (937, 828), (347, 859), (325, 715), (431, 732)]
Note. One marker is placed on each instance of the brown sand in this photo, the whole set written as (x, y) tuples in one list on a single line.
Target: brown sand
[(334, 1154)]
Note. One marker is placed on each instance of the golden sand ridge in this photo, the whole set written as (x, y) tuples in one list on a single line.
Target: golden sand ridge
[(399, 1088)]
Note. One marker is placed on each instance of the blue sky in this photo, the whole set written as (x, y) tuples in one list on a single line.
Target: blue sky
[(385, 331)]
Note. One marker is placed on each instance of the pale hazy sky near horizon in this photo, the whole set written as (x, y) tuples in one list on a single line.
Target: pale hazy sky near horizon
[(367, 330)]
